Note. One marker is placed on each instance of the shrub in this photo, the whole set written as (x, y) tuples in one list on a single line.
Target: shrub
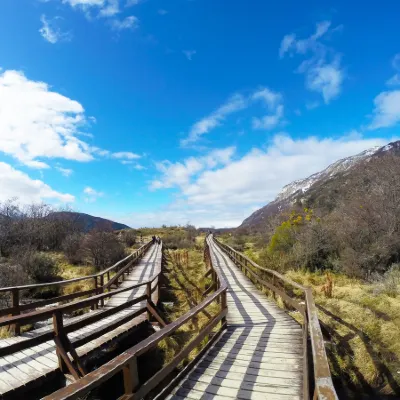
[(128, 237), (102, 249), (40, 267), (11, 275), (72, 248), (389, 282)]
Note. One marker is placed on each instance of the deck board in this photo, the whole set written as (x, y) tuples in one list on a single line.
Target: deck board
[(23, 367), (259, 356)]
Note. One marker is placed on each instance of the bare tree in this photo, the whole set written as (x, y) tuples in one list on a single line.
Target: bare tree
[(102, 249)]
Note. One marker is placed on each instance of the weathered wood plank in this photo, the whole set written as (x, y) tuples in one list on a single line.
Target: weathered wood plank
[(260, 356), (23, 366)]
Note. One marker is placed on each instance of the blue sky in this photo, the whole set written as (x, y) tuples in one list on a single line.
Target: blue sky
[(151, 112)]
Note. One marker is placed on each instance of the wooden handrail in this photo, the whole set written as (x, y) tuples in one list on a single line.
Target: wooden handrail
[(323, 384), (127, 361), (17, 308), (66, 282)]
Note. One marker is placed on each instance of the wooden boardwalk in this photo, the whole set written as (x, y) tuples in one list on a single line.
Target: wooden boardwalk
[(259, 356), (31, 365)]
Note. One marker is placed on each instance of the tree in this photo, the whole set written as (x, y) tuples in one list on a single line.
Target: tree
[(102, 249)]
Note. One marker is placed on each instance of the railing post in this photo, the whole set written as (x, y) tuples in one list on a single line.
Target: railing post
[(94, 306), (224, 305), (108, 276), (101, 289), (58, 326), (16, 328), (148, 293), (131, 376)]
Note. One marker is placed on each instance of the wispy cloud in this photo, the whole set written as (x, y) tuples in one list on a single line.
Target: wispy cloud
[(91, 195), (395, 79), (387, 110), (200, 128), (65, 171), (272, 101), (125, 155), (131, 3), (51, 32), (189, 54), (109, 10), (130, 22), (274, 104), (323, 71)]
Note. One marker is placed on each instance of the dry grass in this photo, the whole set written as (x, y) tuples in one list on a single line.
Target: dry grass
[(186, 288), (364, 324)]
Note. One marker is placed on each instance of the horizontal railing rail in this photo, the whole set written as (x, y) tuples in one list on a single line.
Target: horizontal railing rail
[(323, 387), (59, 330), (102, 281), (127, 361)]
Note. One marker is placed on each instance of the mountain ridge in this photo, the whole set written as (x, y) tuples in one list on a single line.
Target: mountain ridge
[(297, 190), (89, 222)]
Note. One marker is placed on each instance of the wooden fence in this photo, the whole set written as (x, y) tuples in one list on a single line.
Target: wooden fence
[(102, 281), (322, 386), (127, 361)]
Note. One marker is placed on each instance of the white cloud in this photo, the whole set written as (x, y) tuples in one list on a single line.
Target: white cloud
[(395, 79), (130, 22), (274, 104), (139, 167), (323, 71), (387, 110), (189, 54), (65, 171), (36, 122), (234, 104), (273, 101), (51, 32), (15, 183), (326, 79), (131, 3), (224, 196), (106, 9), (286, 44), (91, 195), (179, 174), (85, 3), (125, 154), (110, 9)]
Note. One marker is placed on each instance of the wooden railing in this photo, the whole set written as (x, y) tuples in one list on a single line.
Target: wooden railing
[(127, 361), (322, 385), (58, 331), (102, 281)]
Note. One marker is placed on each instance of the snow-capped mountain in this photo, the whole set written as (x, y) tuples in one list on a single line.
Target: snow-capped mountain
[(296, 190)]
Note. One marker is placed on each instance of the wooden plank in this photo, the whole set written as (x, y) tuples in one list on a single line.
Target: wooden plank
[(40, 358)]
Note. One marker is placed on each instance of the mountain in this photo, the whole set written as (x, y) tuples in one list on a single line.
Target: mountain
[(322, 184), (88, 222)]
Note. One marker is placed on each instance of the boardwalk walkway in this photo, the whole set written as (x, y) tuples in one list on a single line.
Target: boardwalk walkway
[(259, 356), (33, 364)]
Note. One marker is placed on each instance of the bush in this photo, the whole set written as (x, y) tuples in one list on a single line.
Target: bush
[(102, 249), (72, 248), (11, 275), (128, 237), (389, 282), (40, 267)]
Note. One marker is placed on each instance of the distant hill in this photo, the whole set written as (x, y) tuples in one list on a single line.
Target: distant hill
[(320, 189), (88, 222)]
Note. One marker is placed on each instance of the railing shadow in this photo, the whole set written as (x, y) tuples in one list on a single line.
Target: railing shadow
[(344, 349)]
